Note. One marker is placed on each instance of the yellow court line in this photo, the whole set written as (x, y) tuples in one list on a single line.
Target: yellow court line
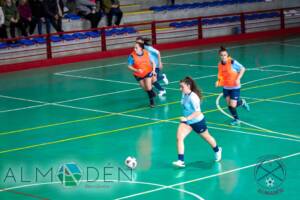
[(294, 82), (118, 130), (83, 136), (114, 114)]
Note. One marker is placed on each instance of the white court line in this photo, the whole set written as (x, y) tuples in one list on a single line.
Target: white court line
[(169, 56), (252, 125), (76, 99), (155, 119), (99, 95), (291, 45), (115, 181), (246, 97), (279, 65), (208, 177), (163, 187), (170, 121), (196, 78), (295, 39), (96, 79), (25, 108), (88, 68), (21, 99), (190, 65)]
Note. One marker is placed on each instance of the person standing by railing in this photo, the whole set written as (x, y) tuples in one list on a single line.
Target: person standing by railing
[(11, 17), (38, 15), (3, 34), (25, 16), (54, 10)]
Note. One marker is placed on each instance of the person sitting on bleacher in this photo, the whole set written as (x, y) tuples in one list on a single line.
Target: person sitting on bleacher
[(54, 10), (3, 34), (87, 9), (25, 16), (112, 8), (71, 5), (171, 2), (11, 17)]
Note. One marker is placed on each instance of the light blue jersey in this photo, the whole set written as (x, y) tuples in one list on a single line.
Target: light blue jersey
[(191, 103), (236, 66), (154, 53)]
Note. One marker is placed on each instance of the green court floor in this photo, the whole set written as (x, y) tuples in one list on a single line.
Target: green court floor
[(66, 131)]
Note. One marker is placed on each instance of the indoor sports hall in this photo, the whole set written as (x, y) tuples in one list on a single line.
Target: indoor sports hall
[(68, 122)]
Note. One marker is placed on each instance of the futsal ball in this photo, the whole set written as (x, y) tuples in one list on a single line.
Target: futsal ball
[(130, 162)]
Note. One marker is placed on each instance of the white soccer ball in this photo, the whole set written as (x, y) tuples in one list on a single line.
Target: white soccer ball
[(131, 162)]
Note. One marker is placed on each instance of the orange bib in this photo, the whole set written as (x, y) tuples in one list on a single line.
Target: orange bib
[(142, 62), (226, 75)]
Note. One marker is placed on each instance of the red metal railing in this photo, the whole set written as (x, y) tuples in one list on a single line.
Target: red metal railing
[(155, 27)]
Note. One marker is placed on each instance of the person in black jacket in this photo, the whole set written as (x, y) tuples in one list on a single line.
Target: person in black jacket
[(53, 14), (38, 15)]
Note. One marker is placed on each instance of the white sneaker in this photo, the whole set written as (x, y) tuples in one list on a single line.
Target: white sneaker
[(161, 93), (165, 79), (218, 155), (179, 163)]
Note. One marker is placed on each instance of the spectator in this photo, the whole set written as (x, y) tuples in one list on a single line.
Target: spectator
[(53, 14), (112, 8), (25, 16), (71, 5), (87, 9), (171, 2), (38, 15), (11, 17), (3, 33)]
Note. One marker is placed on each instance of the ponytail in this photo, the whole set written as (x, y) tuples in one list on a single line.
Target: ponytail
[(189, 81), (145, 41)]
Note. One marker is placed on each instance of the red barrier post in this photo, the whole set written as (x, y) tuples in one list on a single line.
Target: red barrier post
[(282, 20), (200, 34), (243, 27), (153, 31), (103, 40), (49, 49)]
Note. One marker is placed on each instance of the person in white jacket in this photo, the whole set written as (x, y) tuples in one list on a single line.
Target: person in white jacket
[(3, 33)]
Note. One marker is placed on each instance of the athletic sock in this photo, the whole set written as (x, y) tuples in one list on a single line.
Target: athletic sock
[(216, 149), (181, 157), (158, 86), (233, 112)]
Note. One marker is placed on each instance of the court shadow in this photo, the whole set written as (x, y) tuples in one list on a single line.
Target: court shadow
[(202, 164)]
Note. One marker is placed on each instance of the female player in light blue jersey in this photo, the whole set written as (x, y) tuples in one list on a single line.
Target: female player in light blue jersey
[(193, 119), (157, 58)]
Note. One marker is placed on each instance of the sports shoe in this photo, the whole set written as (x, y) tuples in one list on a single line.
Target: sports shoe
[(218, 155), (179, 163), (161, 93), (245, 105), (165, 79), (235, 122)]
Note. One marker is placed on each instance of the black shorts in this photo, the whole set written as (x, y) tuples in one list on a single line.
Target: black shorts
[(233, 94), (198, 127), (149, 75)]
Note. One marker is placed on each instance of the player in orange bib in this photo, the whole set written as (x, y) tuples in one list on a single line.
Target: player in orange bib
[(230, 73), (143, 67)]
